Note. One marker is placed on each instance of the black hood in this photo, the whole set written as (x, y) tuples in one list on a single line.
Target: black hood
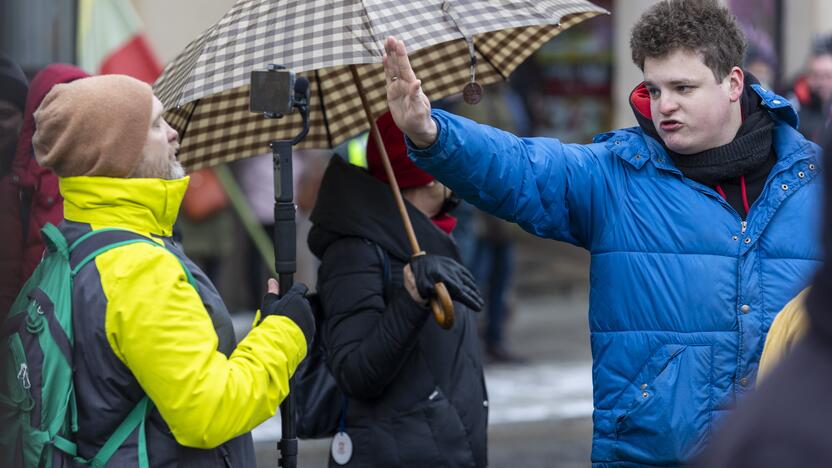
[(352, 203)]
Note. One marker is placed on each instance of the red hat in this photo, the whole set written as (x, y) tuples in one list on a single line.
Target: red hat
[(407, 174)]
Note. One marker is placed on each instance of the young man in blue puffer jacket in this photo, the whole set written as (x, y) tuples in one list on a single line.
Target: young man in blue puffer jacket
[(701, 222)]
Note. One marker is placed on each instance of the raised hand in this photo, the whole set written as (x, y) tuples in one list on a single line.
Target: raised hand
[(408, 104)]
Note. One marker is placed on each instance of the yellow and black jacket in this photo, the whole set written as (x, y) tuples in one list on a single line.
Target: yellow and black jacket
[(141, 328)]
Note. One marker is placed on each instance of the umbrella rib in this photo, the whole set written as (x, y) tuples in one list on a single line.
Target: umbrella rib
[(371, 30), (188, 121), (323, 108), (495, 68)]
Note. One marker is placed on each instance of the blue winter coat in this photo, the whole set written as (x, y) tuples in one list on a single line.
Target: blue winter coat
[(682, 292)]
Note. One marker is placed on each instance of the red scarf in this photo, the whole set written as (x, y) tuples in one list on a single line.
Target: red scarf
[(445, 222)]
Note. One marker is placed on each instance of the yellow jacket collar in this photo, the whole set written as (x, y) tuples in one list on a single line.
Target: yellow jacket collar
[(143, 205)]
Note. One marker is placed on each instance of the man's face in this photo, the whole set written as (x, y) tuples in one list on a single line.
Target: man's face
[(159, 152), (11, 121), (691, 110), (819, 78)]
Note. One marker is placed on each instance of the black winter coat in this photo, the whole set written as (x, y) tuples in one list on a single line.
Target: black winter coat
[(416, 392)]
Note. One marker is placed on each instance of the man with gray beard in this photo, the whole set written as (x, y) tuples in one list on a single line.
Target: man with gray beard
[(147, 321)]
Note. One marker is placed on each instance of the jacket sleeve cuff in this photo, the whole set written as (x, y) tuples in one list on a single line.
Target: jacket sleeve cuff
[(434, 148), (303, 321)]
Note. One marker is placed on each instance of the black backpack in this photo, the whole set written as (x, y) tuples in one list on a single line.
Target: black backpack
[(319, 402)]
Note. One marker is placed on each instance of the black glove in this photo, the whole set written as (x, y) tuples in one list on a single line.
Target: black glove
[(431, 269), (294, 305)]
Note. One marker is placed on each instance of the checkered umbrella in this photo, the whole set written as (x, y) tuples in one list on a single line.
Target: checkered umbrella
[(206, 88)]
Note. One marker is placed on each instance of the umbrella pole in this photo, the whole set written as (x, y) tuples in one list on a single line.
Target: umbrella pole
[(285, 266), (442, 306)]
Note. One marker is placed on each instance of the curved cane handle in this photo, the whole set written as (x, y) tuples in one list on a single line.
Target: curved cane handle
[(442, 306)]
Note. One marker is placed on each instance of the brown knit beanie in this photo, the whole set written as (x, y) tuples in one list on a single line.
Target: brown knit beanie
[(94, 126)]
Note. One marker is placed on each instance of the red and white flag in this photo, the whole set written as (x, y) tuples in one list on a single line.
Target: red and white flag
[(110, 40)]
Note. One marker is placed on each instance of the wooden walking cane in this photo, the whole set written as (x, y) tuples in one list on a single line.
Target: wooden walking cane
[(441, 305)]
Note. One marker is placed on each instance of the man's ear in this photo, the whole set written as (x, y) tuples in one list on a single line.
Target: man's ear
[(736, 83)]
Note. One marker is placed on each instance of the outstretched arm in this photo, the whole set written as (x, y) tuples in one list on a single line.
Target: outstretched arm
[(551, 189), (157, 326)]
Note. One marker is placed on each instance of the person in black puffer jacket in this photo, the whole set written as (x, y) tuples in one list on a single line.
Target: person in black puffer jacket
[(416, 392)]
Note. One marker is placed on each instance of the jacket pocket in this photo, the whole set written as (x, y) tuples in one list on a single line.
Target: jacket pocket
[(665, 415), (432, 434)]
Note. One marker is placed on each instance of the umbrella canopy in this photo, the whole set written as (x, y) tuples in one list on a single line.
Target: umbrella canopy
[(206, 88)]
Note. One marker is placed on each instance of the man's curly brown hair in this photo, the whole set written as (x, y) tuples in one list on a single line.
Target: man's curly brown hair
[(701, 26)]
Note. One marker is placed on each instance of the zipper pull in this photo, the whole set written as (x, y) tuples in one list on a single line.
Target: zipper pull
[(744, 225), (23, 376)]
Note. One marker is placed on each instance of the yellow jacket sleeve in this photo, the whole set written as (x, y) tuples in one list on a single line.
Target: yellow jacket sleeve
[(788, 328), (157, 326)]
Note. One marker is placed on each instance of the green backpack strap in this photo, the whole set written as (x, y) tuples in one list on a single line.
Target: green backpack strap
[(95, 243), (136, 419), (54, 239)]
